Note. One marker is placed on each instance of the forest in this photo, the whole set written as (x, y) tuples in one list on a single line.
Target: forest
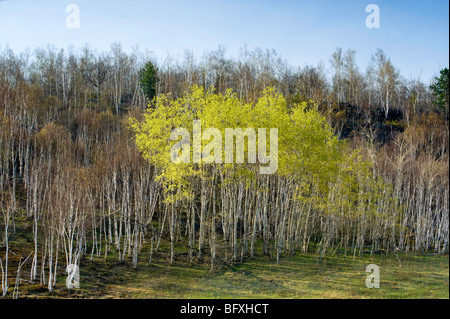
[(363, 162)]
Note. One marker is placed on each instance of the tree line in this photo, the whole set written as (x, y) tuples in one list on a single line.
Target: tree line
[(373, 174)]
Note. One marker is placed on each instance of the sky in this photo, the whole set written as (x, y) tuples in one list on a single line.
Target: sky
[(413, 34)]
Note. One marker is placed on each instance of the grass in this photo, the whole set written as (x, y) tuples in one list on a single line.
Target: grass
[(295, 277)]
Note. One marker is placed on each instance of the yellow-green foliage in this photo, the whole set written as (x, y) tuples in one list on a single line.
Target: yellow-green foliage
[(308, 152)]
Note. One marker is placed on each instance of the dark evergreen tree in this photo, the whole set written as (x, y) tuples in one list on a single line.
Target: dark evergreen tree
[(441, 90), (148, 77)]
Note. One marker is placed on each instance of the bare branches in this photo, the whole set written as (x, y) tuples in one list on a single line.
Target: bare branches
[(70, 170)]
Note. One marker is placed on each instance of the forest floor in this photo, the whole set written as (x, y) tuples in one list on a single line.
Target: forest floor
[(300, 276), (295, 277)]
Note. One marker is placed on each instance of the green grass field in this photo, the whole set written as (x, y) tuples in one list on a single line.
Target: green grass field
[(296, 277)]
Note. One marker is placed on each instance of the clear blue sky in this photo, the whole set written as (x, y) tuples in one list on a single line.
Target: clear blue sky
[(414, 34)]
